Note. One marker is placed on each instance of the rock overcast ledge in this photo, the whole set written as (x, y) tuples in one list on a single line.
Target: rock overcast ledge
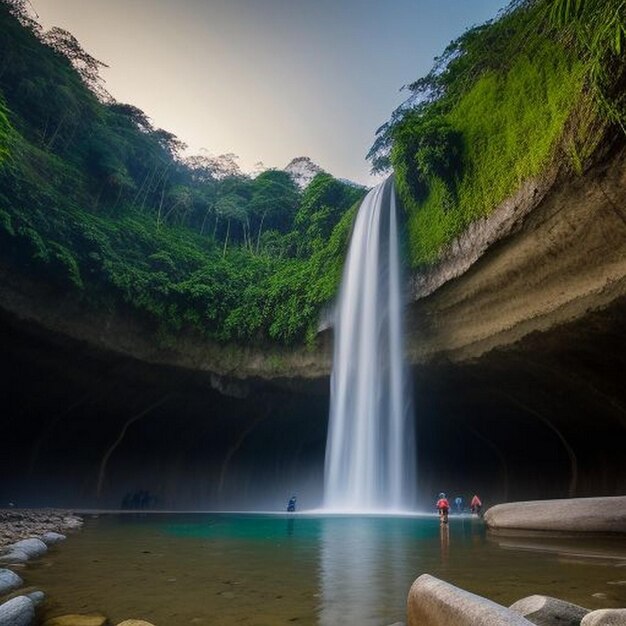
[(591, 515)]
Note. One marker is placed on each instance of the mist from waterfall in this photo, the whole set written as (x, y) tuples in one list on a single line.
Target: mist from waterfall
[(370, 451)]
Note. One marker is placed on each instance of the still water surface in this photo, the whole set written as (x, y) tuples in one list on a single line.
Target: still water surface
[(269, 570)]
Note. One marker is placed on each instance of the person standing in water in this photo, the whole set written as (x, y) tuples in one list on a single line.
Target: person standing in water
[(458, 503), (443, 506), (476, 505), (291, 507)]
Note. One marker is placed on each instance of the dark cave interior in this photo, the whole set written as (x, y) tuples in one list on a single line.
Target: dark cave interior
[(84, 428)]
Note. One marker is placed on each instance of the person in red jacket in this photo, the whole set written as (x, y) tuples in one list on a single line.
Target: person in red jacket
[(443, 506), (476, 505)]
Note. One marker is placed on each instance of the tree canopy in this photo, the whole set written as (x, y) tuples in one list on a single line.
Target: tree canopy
[(98, 201)]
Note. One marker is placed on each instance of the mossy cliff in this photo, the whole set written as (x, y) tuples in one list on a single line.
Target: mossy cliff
[(111, 237)]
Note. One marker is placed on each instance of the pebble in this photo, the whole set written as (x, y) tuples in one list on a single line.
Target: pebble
[(16, 524)]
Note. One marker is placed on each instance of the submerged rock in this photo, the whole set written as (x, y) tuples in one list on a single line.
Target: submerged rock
[(14, 556), (9, 580), (437, 603), (36, 597), (605, 617), (32, 547), (18, 611), (547, 611), (92, 619), (50, 538), (135, 622)]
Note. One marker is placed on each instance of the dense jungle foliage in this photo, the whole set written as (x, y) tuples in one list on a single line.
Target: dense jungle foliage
[(503, 102), (96, 200)]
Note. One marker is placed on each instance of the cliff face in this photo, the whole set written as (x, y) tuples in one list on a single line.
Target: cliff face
[(547, 256), (562, 259), (518, 371)]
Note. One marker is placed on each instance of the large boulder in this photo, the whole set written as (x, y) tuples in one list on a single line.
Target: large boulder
[(18, 611), (32, 547), (600, 515), (433, 602), (8, 581), (547, 611), (605, 617), (75, 619)]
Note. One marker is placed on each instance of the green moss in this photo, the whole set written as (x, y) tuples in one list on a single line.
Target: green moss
[(68, 264), (511, 123), (6, 223), (5, 133)]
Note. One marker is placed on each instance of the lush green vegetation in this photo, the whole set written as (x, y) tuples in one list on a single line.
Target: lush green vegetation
[(495, 111), (6, 133), (101, 204), (98, 202)]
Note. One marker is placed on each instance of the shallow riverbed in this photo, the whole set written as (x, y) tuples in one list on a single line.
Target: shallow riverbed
[(176, 569)]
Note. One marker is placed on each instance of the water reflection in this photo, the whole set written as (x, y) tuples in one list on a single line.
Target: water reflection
[(366, 565), (444, 542), (595, 549)]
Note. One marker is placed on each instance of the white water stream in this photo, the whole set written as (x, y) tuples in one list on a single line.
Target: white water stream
[(370, 452)]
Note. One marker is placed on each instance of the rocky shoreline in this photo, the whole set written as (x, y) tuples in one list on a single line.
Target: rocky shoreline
[(25, 535), (18, 524)]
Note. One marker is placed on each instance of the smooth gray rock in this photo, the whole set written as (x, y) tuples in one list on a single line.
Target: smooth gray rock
[(14, 556), (605, 617), (547, 611), (433, 602), (32, 547), (51, 538), (36, 597), (568, 515), (8, 581), (18, 611)]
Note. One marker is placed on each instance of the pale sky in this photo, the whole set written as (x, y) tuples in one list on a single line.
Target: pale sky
[(267, 79)]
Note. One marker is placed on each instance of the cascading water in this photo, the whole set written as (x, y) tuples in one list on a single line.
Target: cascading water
[(370, 452)]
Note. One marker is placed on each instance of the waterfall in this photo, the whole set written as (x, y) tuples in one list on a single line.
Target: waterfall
[(370, 452)]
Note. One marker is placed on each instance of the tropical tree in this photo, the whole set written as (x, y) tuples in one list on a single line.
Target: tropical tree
[(274, 200)]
